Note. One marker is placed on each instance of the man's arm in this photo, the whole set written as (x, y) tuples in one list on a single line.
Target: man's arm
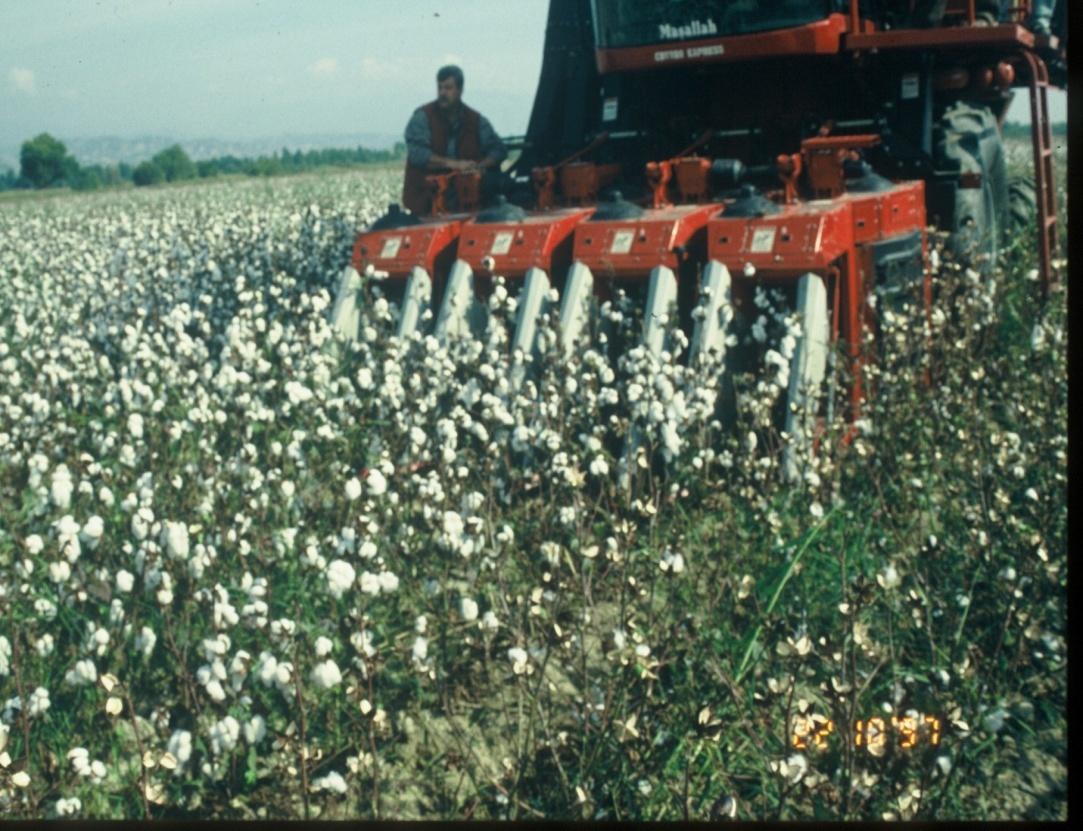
[(418, 139), (492, 146)]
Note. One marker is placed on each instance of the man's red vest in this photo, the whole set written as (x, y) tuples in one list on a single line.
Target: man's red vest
[(415, 193)]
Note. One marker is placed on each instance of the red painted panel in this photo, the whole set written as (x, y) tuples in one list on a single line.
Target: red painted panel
[(538, 241), (630, 248), (397, 251), (804, 237), (821, 38)]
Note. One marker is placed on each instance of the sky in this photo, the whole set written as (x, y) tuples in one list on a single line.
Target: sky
[(253, 69), (248, 69)]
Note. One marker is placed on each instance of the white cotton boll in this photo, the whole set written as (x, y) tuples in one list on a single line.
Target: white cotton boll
[(45, 608), (332, 782), (67, 533), (671, 562), (105, 496), (362, 643), (44, 646), (347, 540), (93, 529), (324, 645), (468, 608), (215, 690), (671, 439), (367, 550), (225, 614), (141, 521), (135, 425), (97, 772), (224, 735), (79, 757), (518, 658), (34, 544), (353, 489), (59, 572), (370, 583), (62, 487), (81, 674), (375, 483), (283, 674), (326, 674), (490, 622), (175, 540), (788, 346), (420, 649), (144, 642), (453, 524), (68, 806), (389, 582), (267, 668), (759, 329), (599, 467), (255, 730), (126, 456), (888, 578), (5, 659), (98, 642), (340, 577), (1037, 338), (551, 552), (797, 766), (180, 746), (38, 702)]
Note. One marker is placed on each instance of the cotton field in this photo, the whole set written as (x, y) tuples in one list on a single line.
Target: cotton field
[(250, 570)]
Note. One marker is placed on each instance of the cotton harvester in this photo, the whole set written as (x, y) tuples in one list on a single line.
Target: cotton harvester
[(689, 152)]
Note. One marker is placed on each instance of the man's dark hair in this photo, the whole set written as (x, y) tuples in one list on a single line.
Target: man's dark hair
[(450, 71)]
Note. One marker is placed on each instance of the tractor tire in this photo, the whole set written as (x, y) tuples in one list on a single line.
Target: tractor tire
[(969, 134), (1022, 204)]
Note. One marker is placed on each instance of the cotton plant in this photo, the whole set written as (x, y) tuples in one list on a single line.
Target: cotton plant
[(248, 520)]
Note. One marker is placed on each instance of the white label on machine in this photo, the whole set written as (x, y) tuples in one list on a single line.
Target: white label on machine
[(502, 242), (391, 248), (622, 242), (763, 240), (609, 109), (911, 86)]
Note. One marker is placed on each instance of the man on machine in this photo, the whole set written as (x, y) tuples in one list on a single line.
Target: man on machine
[(446, 136)]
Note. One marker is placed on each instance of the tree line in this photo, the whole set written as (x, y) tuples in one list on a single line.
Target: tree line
[(44, 162)]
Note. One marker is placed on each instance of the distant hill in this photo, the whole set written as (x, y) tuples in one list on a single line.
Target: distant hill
[(107, 150)]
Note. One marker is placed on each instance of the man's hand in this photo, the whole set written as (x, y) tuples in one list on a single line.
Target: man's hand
[(465, 166), (455, 165)]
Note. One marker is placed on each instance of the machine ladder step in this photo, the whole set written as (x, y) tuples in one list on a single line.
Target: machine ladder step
[(1044, 182)]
